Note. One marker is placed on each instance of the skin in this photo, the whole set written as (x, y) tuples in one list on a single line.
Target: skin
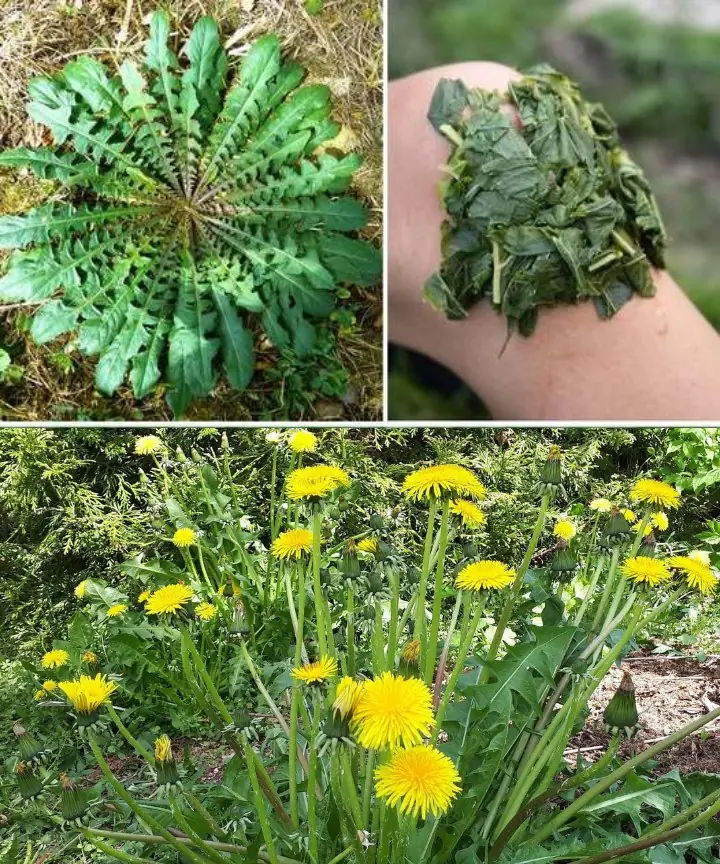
[(658, 359)]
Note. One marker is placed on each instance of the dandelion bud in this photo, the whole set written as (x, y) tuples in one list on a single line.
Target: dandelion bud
[(350, 564), (73, 803), (224, 443), (168, 779), (616, 529), (196, 457), (180, 454), (335, 733), (564, 561), (31, 751), (326, 578), (376, 522), (239, 626), (383, 551), (374, 585), (409, 665), (621, 712), (143, 478), (29, 784), (413, 576), (647, 546), (470, 550), (551, 474), (242, 722)]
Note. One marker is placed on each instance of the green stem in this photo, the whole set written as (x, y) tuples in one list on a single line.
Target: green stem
[(312, 772), (590, 591), (317, 588), (431, 653), (198, 841), (350, 629), (118, 854), (424, 573), (367, 789), (609, 582), (133, 742), (260, 804)]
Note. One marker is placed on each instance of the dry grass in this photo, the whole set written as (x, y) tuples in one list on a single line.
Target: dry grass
[(341, 47)]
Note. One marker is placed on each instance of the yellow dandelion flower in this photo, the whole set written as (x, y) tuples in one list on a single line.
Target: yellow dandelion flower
[(317, 672), (471, 515), (411, 651), (163, 749), (147, 444), (117, 609), (144, 596), (564, 529), (437, 480), (39, 694), (630, 516), (368, 544), (393, 710), (89, 657), (655, 492), (88, 694), (482, 575), (697, 573), (49, 686), (420, 779), (206, 611), (315, 481), (660, 521), (646, 570), (168, 599), (55, 659), (81, 589), (184, 537), (601, 505), (347, 696), (293, 543), (302, 441)]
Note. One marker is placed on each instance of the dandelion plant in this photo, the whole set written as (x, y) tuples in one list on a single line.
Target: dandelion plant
[(191, 200)]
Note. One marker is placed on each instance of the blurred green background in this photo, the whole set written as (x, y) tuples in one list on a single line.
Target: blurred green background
[(656, 66)]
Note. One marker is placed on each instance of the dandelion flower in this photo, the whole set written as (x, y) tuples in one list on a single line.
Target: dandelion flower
[(660, 521), (206, 611), (184, 537), (393, 710), (315, 482), (411, 651), (165, 766), (420, 779), (117, 609), (482, 575), (655, 492), (368, 544), (437, 480), (317, 672), (564, 529), (55, 659), (49, 686), (646, 570), (147, 444), (144, 596), (81, 589), (88, 694), (293, 543), (601, 505), (347, 696), (302, 441), (471, 515), (697, 573), (39, 694), (630, 516), (89, 657), (168, 599)]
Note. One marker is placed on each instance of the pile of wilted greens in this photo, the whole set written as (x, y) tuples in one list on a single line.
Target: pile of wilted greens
[(544, 207)]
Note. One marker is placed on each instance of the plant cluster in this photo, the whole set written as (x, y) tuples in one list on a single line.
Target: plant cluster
[(407, 723)]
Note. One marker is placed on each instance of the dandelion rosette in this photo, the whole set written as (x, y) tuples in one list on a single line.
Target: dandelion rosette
[(646, 571), (54, 659), (148, 444), (420, 780), (168, 599), (184, 537), (87, 696), (565, 530), (293, 543), (655, 493), (437, 481), (302, 441), (472, 516), (697, 573), (316, 673), (116, 610), (601, 505), (485, 575), (393, 710), (315, 482)]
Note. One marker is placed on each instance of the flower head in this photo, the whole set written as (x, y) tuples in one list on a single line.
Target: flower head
[(471, 515), (165, 767), (368, 544), (273, 437), (697, 573), (482, 575), (411, 651), (601, 505), (630, 515), (316, 673), (117, 609), (655, 492), (315, 482), (55, 659), (81, 589), (206, 611), (89, 657), (39, 694), (437, 480), (293, 543), (147, 444), (660, 521), (88, 694), (144, 595), (420, 779), (347, 696), (564, 529), (168, 599), (393, 710), (184, 537), (49, 686), (163, 749), (646, 570), (302, 441)]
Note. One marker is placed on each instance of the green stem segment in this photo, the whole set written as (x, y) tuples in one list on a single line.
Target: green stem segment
[(431, 652)]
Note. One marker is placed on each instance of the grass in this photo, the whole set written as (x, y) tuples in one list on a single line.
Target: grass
[(340, 47)]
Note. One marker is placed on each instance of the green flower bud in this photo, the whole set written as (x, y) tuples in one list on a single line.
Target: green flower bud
[(376, 522), (409, 665), (563, 561), (29, 784), (334, 734), (621, 714), (180, 455), (551, 474), (383, 551), (224, 443), (413, 576), (350, 563), (168, 779), (31, 751), (469, 550), (196, 457), (616, 529), (73, 803), (647, 546)]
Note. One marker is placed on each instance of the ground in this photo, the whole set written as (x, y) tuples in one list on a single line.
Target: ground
[(341, 47)]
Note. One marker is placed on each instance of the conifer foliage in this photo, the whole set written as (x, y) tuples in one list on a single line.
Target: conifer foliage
[(190, 199)]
